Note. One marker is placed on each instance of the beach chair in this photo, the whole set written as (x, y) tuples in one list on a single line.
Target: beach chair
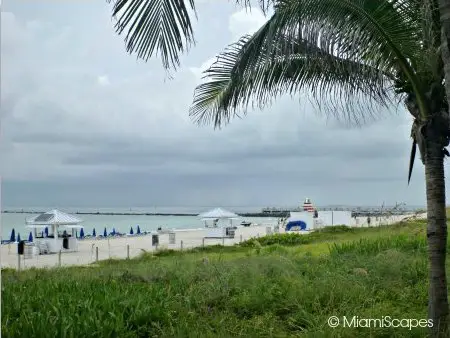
[(42, 248)]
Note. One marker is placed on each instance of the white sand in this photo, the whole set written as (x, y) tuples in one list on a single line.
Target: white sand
[(117, 247)]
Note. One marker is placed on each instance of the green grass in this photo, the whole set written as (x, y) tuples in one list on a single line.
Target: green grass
[(275, 286)]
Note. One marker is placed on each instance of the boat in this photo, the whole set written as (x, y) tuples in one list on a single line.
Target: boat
[(246, 224), (308, 206)]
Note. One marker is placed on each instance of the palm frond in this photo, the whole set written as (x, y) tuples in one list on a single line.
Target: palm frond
[(275, 61), (341, 88), (412, 157), (155, 26), (384, 34)]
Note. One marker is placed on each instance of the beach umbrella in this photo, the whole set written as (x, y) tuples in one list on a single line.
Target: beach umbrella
[(18, 237), (114, 232), (105, 233), (46, 231), (94, 233), (12, 238), (81, 233), (30, 237), (138, 230), (131, 231)]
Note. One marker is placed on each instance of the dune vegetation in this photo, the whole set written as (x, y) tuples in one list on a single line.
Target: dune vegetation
[(275, 286)]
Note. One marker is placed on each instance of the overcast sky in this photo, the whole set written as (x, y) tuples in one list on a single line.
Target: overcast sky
[(85, 124)]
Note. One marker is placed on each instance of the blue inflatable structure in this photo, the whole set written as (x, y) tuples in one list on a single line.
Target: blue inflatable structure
[(293, 224)]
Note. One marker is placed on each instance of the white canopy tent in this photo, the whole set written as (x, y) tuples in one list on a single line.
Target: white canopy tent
[(219, 230), (55, 219), (218, 214)]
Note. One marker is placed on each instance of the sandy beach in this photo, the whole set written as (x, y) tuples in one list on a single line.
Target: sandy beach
[(117, 247), (132, 246)]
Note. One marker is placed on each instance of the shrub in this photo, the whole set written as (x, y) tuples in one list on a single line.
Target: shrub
[(287, 239)]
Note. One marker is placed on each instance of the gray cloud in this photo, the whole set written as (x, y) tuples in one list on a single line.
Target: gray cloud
[(85, 124)]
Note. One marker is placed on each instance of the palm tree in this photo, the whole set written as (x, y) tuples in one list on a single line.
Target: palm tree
[(444, 9), (351, 56)]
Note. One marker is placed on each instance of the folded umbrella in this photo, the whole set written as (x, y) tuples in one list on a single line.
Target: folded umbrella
[(12, 238)]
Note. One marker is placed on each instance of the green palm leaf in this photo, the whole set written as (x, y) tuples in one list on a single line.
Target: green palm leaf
[(155, 26), (333, 50), (339, 86), (412, 157)]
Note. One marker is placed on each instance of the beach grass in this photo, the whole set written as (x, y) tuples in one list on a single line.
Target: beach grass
[(274, 286)]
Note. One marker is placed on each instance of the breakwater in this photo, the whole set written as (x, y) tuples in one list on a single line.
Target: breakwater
[(266, 213), (102, 213)]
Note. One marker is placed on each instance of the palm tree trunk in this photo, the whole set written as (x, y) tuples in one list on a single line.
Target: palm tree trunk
[(436, 233), (444, 11)]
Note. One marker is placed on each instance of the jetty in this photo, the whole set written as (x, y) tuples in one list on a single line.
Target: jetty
[(269, 213), (135, 213)]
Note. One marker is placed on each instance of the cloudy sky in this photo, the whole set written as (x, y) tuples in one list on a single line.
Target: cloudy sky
[(85, 124)]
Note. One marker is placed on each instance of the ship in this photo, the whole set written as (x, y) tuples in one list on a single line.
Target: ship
[(308, 206)]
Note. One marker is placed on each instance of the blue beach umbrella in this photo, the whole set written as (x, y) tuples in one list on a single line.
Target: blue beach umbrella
[(105, 233), (18, 237), (81, 233), (131, 231), (138, 231), (12, 238), (94, 234), (30, 237), (114, 232), (46, 231)]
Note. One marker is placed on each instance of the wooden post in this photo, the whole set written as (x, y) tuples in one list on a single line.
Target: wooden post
[(240, 240), (203, 242), (59, 258), (128, 251), (96, 253), (18, 262), (181, 245)]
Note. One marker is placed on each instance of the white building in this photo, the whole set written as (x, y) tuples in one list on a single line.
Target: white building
[(305, 221), (332, 218)]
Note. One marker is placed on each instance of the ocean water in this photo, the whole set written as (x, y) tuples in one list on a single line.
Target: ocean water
[(121, 223)]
